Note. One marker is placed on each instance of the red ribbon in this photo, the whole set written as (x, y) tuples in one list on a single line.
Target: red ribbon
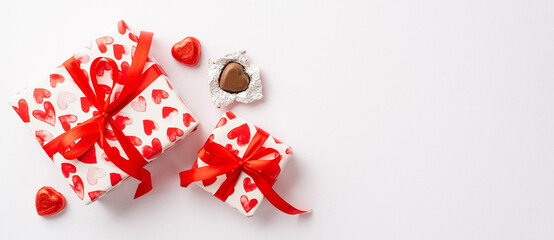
[(221, 161), (78, 140)]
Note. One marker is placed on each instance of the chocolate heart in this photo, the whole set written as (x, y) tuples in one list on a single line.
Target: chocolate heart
[(187, 51), (233, 79), (49, 201)]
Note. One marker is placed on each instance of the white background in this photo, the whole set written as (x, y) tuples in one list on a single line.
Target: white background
[(427, 120)]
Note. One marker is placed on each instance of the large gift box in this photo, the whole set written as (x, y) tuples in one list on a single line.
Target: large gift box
[(239, 163), (105, 113)]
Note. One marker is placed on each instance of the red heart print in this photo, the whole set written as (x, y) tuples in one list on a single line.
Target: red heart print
[(187, 119), (94, 195), (40, 94), (288, 151), (116, 95), (55, 79), (64, 98), (123, 120), (248, 204), (135, 140), (241, 133), (133, 37), (115, 178), (68, 168), (187, 51), (102, 42), (118, 51), (139, 105), (43, 136), (85, 104), (173, 133), (211, 137), (158, 95), (152, 151), (230, 115), (49, 201), (248, 185), (81, 58), (230, 148), (65, 120), (149, 125), (102, 67), (221, 122), (48, 115), (78, 186), (22, 110), (167, 111), (93, 174), (89, 157), (124, 72), (122, 27)]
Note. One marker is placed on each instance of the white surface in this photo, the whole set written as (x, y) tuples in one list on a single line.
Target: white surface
[(428, 120)]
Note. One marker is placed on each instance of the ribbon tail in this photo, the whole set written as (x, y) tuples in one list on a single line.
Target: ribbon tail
[(130, 168), (272, 196), (133, 166), (143, 188), (132, 153), (227, 187)]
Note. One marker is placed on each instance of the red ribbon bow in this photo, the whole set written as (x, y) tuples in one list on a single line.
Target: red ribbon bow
[(221, 161), (78, 140)]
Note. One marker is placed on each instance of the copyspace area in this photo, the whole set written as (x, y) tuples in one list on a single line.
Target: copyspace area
[(408, 119)]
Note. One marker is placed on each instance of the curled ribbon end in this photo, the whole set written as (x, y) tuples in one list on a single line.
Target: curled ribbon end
[(142, 189), (307, 211), (183, 182), (298, 212)]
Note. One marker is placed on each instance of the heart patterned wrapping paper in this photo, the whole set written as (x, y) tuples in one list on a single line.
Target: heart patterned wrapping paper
[(232, 140), (153, 121)]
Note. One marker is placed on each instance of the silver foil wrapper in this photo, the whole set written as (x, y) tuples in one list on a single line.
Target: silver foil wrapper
[(223, 98)]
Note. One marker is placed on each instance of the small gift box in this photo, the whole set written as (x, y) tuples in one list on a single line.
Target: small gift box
[(239, 163), (105, 113)]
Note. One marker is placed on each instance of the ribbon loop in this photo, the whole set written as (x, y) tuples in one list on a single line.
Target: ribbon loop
[(103, 98), (222, 161), (76, 141)]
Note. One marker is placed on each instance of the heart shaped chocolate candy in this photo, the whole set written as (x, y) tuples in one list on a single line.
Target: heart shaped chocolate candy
[(187, 51), (49, 201), (233, 79)]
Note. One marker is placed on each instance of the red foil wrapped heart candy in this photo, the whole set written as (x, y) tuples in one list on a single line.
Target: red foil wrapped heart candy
[(187, 51), (49, 201)]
